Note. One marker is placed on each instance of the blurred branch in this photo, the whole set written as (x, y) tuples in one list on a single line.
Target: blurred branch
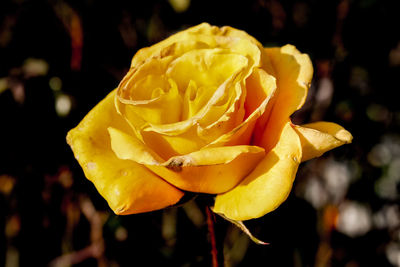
[(210, 224), (96, 248), (73, 25)]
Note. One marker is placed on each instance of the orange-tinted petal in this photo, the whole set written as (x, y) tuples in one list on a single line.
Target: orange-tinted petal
[(268, 185), (318, 137), (127, 186), (210, 170)]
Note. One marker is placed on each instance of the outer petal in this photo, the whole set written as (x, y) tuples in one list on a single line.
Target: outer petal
[(318, 137), (127, 186), (268, 185), (210, 170), (293, 72)]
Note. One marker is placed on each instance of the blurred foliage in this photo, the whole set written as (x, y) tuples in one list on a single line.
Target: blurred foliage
[(58, 58)]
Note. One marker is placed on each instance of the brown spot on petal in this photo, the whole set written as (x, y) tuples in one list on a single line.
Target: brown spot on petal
[(91, 165), (306, 84), (120, 210), (167, 51), (175, 165)]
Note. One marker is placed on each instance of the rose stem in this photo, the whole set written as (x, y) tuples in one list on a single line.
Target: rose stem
[(210, 224)]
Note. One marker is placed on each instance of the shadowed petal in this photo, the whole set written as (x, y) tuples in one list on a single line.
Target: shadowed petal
[(260, 88)]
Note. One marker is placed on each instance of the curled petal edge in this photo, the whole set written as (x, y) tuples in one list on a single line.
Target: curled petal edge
[(318, 137)]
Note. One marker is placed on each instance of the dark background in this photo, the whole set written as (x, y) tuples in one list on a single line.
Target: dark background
[(59, 58)]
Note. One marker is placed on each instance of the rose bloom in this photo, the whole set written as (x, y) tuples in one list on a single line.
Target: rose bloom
[(206, 110)]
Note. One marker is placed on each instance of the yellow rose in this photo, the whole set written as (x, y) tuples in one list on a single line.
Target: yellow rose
[(207, 110)]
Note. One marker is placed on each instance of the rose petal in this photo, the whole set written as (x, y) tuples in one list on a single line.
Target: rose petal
[(195, 98), (174, 44), (167, 146), (141, 80), (127, 186), (318, 137), (207, 67), (188, 58), (293, 72), (126, 146), (265, 188), (203, 36), (210, 170), (260, 88), (140, 113), (223, 116), (187, 136)]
